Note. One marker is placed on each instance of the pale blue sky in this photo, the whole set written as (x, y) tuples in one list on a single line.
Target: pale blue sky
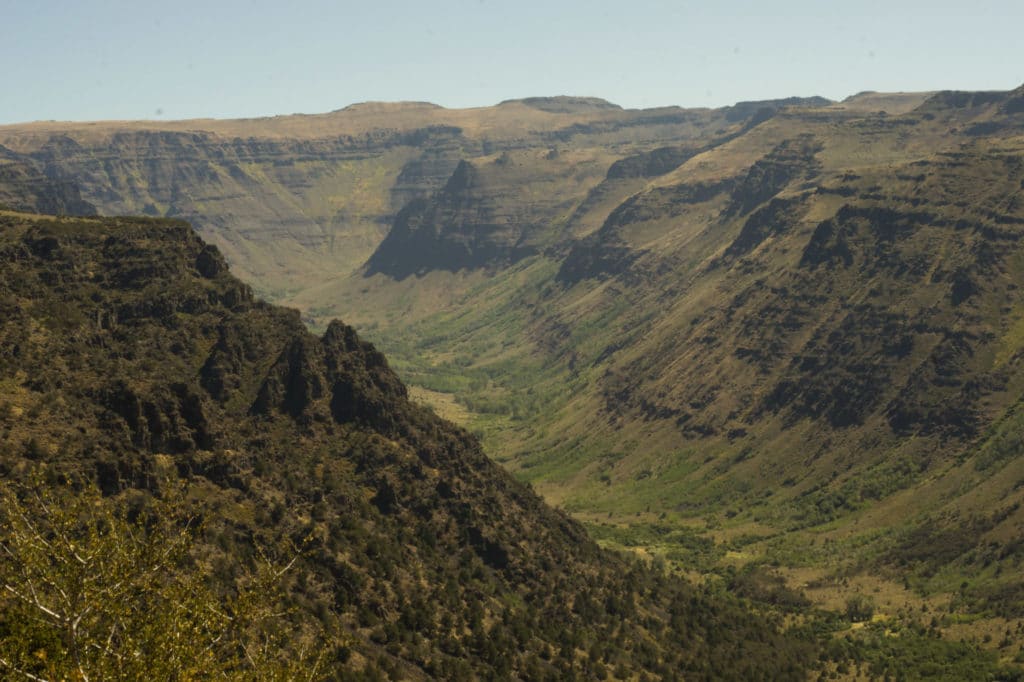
[(93, 59)]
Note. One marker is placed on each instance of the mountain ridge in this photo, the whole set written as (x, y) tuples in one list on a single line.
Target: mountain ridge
[(131, 356)]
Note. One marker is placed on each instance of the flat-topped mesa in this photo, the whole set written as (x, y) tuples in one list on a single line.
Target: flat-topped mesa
[(564, 104), (744, 110), (962, 100), (375, 107), (294, 199)]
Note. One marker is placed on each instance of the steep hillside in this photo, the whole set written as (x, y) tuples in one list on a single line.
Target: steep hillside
[(483, 216), (129, 356)]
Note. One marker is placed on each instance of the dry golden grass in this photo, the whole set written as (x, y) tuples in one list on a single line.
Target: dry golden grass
[(892, 103), (443, 404), (510, 119)]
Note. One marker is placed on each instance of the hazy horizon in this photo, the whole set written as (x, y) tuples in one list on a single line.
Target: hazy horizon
[(114, 60)]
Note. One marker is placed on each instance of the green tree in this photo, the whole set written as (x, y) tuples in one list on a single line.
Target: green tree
[(860, 607)]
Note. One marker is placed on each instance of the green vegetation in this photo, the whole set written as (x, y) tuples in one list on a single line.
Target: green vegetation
[(881, 651), (679, 547), (776, 351)]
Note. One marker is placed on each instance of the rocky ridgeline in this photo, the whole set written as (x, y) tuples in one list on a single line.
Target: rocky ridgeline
[(859, 301)]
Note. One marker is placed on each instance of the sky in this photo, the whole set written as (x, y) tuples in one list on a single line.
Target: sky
[(96, 60)]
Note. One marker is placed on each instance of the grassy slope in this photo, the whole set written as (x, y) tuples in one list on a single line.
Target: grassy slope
[(574, 387)]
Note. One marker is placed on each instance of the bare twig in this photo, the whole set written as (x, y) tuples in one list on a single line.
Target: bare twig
[(35, 678)]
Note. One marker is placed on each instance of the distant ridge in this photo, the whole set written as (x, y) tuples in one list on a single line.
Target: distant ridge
[(564, 104), (388, 106)]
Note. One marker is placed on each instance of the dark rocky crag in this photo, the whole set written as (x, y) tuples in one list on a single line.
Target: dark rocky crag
[(129, 355)]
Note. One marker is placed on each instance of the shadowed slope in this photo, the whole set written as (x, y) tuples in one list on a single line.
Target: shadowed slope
[(131, 356)]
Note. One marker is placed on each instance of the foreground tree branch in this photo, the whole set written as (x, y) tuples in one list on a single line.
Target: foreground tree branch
[(91, 593)]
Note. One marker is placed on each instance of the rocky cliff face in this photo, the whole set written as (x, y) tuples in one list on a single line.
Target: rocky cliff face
[(256, 199), (24, 186), (805, 241), (292, 201), (488, 214)]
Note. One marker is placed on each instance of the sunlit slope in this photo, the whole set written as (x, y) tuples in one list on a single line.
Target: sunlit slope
[(812, 329)]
